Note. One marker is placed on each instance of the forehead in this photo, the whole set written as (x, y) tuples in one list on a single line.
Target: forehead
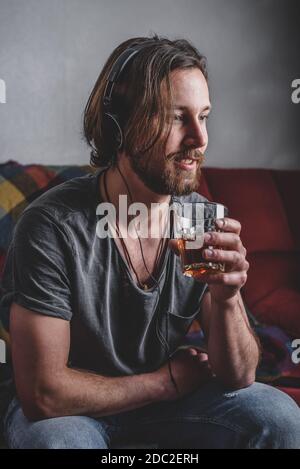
[(189, 88)]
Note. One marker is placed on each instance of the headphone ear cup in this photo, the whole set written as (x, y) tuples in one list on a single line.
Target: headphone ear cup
[(113, 130)]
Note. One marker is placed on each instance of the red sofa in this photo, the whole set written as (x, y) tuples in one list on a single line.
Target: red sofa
[(266, 204), (264, 201)]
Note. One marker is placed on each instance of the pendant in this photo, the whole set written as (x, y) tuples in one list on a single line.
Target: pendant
[(145, 287)]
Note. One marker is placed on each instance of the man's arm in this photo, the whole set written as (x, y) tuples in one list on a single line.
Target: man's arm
[(47, 388), (233, 350)]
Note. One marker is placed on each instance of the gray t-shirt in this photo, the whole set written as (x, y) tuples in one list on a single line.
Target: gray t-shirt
[(58, 266)]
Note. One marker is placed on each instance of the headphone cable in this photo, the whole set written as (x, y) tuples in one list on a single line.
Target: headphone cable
[(163, 340)]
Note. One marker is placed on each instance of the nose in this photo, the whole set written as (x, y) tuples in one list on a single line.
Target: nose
[(196, 135)]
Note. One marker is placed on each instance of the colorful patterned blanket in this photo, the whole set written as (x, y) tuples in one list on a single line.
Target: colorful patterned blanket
[(276, 365), (20, 185)]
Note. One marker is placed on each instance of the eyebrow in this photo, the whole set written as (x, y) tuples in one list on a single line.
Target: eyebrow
[(184, 108)]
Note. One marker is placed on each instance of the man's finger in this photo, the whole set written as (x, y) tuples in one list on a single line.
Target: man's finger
[(229, 224), (224, 240)]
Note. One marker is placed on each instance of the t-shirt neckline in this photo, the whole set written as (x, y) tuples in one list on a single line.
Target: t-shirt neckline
[(120, 256)]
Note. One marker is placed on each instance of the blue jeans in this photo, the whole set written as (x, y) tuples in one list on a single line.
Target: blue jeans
[(256, 417)]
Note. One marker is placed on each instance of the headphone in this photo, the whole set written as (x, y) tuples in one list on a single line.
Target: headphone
[(110, 121)]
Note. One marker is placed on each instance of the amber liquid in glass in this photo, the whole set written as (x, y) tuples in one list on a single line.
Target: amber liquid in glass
[(193, 263)]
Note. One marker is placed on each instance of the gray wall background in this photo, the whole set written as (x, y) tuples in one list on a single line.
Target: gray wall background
[(51, 52)]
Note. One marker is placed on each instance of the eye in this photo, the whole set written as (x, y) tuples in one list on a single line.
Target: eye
[(178, 117), (204, 117)]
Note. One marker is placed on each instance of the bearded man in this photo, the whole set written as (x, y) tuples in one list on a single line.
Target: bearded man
[(96, 322)]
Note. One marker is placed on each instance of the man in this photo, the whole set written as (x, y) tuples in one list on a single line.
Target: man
[(96, 322)]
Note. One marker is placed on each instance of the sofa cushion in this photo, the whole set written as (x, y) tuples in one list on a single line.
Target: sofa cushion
[(288, 185), (203, 186), (280, 307), (270, 271), (261, 201), (252, 198)]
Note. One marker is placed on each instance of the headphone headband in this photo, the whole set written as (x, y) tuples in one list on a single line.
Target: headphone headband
[(117, 69), (111, 120)]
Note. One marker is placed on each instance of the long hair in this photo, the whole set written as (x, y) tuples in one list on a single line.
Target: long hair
[(142, 98)]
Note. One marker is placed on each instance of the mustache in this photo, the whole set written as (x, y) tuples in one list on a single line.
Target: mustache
[(195, 155)]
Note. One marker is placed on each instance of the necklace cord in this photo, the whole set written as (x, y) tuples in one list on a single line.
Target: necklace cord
[(163, 340)]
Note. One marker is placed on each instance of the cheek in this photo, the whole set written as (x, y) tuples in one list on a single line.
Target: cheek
[(173, 142)]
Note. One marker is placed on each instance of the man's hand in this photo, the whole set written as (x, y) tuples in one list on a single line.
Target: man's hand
[(227, 249), (190, 369)]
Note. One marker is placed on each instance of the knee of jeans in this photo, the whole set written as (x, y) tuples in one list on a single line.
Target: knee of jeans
[(75, 432), (73, 441), (275, 418), (62, 433)]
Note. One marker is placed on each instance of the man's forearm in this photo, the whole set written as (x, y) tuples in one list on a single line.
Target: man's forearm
[(77, 392), (232, 347)]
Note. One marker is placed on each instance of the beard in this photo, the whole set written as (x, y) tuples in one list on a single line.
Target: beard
[(161, 175)]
